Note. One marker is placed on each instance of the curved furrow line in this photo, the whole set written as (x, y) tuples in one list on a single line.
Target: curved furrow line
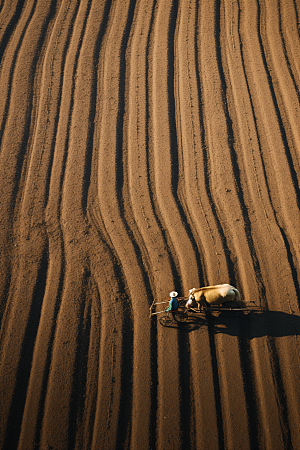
[(41, 360), (261, 215), (165, 159), (165, 151), (249, 385), (53, 108), (290, 41), (232, 387), (140, 193), (228, 194), (71, 138), (192, 136), (281, 189), (297, 14), (16, 138), (19, 119), (279, 154), (86, 367), (113, 207), (7, 70), (262, 197), (35, 195), (114, 394), (161, 269), (285, 88), (19, 330), (41, 161), (278, 281), (112, 421), (200, 208), (224, 178), (268, 411), (139, 179), (9, 16), (10, 152), (115, 387)]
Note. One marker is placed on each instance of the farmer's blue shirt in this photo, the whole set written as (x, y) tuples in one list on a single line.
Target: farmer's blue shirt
[(173, 304)]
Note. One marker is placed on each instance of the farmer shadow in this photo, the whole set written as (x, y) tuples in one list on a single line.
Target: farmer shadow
[(258, 324)]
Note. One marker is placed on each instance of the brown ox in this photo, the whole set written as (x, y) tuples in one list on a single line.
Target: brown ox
[(214, 295)]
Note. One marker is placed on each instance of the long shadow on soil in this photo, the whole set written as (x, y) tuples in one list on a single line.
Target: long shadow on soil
[(254, 325)]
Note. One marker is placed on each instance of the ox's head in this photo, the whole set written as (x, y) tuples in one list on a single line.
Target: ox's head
[(198, 297), (192, 300)]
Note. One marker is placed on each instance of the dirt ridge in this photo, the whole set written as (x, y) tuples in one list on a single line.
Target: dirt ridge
[(145, 147)]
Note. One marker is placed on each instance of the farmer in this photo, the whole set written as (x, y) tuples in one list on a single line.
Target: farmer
[(173, 303)]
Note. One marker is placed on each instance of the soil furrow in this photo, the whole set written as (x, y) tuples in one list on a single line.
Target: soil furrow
[(8, 70), (111, 173), (17, 349), (171, 405), (12, 158), (10, 14), (44, 143), (257, 193), (280, 279), (271, 151), (163, 138), (200, 207), (285, 88), (192, 139), (160, 264), (228, 193), (222, 177), (148, 146)]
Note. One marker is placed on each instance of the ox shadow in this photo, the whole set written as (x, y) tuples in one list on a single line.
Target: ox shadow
[(250, 326)]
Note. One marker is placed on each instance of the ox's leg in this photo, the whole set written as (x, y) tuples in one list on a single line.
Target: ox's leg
[(202, 303)]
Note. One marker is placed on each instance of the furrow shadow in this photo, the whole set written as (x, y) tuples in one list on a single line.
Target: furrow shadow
[(93, 106), (286, 55), (234, 156), (249, 388), (125, 410), (11, 27), (23, 153), (173, 134), (125, 209), (46, 371), (216, 384), (26, 357), (12, 69), (283, 234), (186, 404), (226, 249), (280, 393), (288, 155), (59, 101)]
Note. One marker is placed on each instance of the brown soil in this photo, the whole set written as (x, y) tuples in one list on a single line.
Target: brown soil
[(148, 146)]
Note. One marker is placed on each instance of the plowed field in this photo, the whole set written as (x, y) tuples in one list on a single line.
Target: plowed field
[(148, 146)]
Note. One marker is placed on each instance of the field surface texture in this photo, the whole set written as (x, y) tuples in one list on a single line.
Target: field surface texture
[(148, 146)]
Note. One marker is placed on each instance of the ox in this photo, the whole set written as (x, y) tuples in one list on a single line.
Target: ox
[(213, 295)]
